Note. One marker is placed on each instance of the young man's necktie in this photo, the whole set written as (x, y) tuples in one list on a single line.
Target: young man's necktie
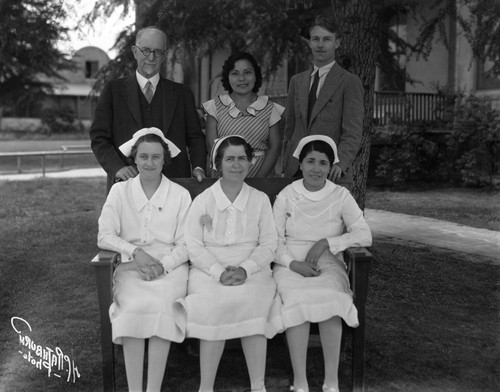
[(312, 96)]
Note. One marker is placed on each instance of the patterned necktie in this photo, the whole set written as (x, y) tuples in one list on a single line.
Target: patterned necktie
[(148, 91), (312, 96)]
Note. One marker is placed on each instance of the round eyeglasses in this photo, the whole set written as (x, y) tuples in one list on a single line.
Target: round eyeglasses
[(157, 53)]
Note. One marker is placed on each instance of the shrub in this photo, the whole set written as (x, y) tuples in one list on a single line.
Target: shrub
[(468, 154), (408, 154), (472, 154), (61, 120)]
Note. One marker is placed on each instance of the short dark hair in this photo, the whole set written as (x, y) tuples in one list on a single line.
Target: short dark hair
[(319, 146), (232, 141), (229, 66), (150, 138), (326, 23)]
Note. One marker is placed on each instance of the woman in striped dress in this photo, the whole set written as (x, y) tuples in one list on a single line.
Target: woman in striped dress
[(242, 112)]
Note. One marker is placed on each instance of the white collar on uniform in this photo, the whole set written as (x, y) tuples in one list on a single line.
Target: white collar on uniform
[(259, 104), (159, 198), (142, 80), (323, 70), (298, 186), (223, 202)]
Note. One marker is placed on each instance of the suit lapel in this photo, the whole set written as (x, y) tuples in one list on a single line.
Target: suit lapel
[(131, 95), (303, 88), (332, 83), (169, 101)]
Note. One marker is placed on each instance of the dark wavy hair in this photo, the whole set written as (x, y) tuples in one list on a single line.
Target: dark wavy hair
[(229, 66), (150, 138), (232, 141), (319, 146)]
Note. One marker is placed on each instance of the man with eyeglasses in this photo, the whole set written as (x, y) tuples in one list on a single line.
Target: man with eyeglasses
[(147, 100)]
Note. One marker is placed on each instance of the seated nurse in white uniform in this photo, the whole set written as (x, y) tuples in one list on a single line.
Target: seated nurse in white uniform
[(231, 239), (143, 219), (316, 221)]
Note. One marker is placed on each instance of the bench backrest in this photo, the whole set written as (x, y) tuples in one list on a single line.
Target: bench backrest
[(270, 186)]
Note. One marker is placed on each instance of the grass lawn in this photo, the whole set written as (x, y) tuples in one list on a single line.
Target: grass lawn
[(432, 314), (467, 206)]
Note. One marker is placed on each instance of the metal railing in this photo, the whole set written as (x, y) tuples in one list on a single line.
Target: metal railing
[(43, 155), (399, 107)]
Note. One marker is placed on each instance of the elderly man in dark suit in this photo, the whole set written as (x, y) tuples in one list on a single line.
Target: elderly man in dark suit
[(147, 100), (326, 100)]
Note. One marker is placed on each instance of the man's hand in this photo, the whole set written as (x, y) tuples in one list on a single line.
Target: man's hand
[(316, 251), (233, 276), (199, 173), (335, 173), (148, 267), (305, 269), (126, 172)]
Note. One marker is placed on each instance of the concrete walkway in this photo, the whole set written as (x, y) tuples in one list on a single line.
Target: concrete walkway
[(76, 173), (436, 232), (418, 229)]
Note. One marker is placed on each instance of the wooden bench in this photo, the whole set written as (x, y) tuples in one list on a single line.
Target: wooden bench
[(357, 259)]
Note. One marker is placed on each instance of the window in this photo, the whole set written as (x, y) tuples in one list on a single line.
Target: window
[(91, 68), (484, 78)]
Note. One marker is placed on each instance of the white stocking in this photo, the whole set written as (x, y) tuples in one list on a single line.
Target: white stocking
[(158, 350), (254, 348), (330, 332), (133, 351), (298, 339), (210, 355)]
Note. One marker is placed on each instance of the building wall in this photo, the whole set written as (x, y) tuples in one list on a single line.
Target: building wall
[(427, 73), (434, 71)]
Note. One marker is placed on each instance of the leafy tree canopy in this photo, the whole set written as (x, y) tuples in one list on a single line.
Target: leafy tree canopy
[(276, 30), (29, 57)]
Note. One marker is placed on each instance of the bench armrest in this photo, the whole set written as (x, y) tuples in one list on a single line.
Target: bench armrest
[(358, 261), (104, 263)]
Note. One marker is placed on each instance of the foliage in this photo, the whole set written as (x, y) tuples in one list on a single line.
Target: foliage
[(276, 30), (29, 32), (407, 154), (468, 153), (485, 37), (472, 154), (61, 121)]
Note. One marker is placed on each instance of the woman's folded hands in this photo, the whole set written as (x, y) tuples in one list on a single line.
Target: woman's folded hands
[(233, 276), (309, 267), (148, 267)]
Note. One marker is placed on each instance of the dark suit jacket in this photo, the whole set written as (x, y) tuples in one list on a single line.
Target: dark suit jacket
[(338, 113), (118, 117)]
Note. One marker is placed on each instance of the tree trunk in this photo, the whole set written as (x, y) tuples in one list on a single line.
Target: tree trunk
[(1, 117), (358, 52)]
